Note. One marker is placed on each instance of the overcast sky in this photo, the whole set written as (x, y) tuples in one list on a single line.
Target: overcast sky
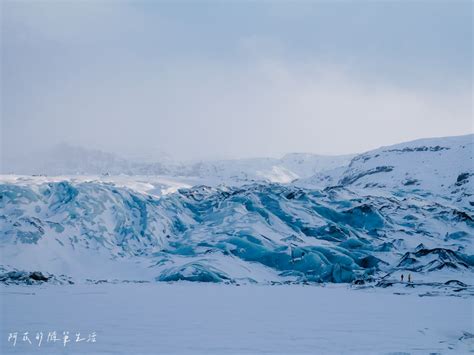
[(233, 79)]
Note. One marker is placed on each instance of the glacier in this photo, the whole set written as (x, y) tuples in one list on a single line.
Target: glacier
[(401, 209)]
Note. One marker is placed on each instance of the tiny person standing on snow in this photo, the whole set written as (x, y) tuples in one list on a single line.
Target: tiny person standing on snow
[(409, 277), (401, 278)]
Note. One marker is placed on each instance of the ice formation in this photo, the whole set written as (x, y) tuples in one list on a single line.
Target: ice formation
[(401, 209)]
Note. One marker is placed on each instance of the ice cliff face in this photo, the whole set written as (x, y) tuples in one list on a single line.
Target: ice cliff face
[(407, 208)]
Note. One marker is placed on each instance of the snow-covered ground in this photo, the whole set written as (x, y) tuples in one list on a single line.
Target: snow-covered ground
[(221, 319)]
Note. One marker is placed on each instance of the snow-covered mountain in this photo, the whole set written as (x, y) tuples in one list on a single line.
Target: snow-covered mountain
[(65, 159), (284, 170), (441, 167), (401, 209)]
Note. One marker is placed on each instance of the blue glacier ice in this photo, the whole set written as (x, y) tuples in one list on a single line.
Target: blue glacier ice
[(259, 231)]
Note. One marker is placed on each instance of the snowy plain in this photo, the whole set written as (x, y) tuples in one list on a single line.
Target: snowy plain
[(197, 318)]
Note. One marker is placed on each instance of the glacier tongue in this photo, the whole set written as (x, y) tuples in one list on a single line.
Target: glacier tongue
[(407, 208), (254, 233)]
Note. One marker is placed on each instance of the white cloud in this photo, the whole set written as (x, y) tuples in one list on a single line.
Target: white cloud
[(103, 94)]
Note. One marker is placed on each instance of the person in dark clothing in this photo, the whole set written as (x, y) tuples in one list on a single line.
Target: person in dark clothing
[(409, 278), (401, 278)]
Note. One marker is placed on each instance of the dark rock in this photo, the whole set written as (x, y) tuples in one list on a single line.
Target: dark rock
[(455, 282), (38, 276)]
